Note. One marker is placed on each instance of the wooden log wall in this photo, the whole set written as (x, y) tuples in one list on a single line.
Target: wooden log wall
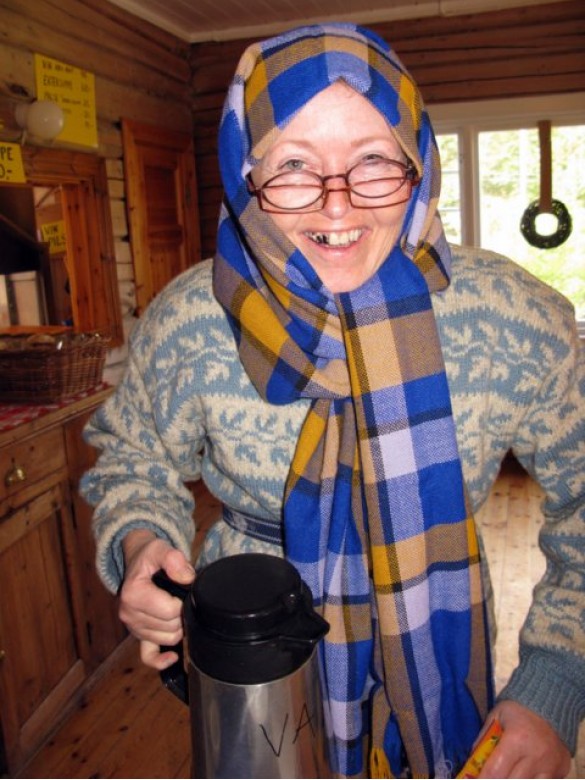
[(532, 50), (146, 74), (141, 73)]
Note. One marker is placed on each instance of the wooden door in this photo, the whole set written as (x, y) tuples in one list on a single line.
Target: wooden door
[(161, 195)]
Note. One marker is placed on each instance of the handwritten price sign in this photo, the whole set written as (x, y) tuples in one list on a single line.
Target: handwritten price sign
[(74, 90)]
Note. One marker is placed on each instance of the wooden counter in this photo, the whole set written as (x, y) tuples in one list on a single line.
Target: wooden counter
[(58, 624)]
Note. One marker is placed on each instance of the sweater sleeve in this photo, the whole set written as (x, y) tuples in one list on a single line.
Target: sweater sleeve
[(550, 443), (150, 435)]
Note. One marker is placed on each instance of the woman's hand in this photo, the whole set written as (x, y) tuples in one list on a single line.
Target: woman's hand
[(529, 746), (151, 614)]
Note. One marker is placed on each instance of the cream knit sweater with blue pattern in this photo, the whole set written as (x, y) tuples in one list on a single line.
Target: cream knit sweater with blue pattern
[(186, 408)]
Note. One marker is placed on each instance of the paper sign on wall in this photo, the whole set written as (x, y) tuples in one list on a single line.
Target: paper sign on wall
[(11, 167), (53, 234), (74, 90)]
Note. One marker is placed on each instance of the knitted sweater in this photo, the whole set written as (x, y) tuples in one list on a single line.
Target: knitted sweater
[(186, 409)]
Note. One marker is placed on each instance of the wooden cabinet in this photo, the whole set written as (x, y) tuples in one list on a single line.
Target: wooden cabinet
[(102, 626), (57, 622)]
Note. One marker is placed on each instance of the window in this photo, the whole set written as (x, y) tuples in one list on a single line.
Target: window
[(491, 173)]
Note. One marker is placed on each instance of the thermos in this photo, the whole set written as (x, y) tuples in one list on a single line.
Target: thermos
[(251, 680)]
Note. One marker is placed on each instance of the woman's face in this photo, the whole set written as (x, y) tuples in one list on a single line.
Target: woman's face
[(337, 129)]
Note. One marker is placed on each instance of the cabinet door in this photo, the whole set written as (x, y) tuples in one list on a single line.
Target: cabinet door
[(40, 646), (103, 627)]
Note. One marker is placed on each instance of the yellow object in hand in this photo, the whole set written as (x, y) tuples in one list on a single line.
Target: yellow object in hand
[(482, 751)]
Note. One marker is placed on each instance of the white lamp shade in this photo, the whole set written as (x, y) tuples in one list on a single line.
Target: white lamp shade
[(42, 119)]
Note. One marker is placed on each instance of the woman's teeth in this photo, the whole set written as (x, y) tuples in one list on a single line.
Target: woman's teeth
[(344, 238)]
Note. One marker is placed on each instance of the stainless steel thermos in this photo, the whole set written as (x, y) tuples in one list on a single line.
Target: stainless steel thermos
[(251, 679)]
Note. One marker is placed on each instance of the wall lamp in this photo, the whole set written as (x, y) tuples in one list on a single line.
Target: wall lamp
[(42, 119)]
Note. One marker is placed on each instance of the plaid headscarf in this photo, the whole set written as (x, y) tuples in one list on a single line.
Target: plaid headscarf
[(376, 517)]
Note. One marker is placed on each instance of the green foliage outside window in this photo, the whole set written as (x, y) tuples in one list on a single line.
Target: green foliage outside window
[(509, 178)]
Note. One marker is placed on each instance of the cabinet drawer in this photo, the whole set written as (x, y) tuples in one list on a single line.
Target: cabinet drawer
[(23, 464)]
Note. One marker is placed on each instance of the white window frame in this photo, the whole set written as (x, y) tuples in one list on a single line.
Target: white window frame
[(468, 119)]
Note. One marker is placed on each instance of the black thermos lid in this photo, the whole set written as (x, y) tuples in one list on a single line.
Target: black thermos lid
[(250, 619)]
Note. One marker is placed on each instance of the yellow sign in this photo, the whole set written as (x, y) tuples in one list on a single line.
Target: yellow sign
[(11, 167), (53, 234), (74, 90)]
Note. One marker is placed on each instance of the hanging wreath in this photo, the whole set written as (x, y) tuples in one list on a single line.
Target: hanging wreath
[(545, 204), (551, 240)]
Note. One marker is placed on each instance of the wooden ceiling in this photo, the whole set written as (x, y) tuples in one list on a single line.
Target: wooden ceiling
[(196, 21)]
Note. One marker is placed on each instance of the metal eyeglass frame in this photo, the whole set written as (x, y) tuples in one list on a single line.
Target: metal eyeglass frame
[(411, 178)]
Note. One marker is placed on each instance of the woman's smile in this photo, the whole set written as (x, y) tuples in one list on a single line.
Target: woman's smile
[(335, 239)]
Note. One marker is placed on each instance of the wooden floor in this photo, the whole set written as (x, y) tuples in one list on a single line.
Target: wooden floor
[(128, 726)]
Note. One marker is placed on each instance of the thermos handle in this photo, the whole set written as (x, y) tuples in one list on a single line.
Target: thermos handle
[(175, 677)]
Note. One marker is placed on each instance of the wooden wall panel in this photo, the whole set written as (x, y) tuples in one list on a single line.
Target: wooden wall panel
[(148, 75), (138, 69), (141, 73), (532, 50)]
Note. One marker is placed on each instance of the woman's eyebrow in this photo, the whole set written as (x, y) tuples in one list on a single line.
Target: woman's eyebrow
[(292, 144)]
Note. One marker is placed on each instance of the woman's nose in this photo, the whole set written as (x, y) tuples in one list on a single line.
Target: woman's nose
[(337, 201)]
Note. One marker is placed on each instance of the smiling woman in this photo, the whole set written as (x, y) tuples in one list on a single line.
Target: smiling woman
[(346, 232), (348, 384)]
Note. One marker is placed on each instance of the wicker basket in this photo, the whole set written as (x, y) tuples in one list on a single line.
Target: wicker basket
[(50, 369)]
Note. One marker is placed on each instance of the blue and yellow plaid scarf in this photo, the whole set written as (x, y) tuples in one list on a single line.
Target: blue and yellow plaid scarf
[(375, 515)]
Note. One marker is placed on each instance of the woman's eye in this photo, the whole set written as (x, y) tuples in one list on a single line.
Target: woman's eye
[(374, 159), (293, 165)]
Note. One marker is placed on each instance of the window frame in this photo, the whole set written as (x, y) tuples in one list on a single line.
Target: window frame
[(468, 119)]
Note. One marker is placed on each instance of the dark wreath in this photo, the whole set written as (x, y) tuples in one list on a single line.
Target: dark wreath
[(561, 234)]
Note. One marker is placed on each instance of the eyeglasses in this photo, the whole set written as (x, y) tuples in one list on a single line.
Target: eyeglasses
[(371, 184)]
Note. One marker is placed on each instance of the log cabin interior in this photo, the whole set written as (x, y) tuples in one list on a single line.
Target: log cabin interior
[(135, 205)]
